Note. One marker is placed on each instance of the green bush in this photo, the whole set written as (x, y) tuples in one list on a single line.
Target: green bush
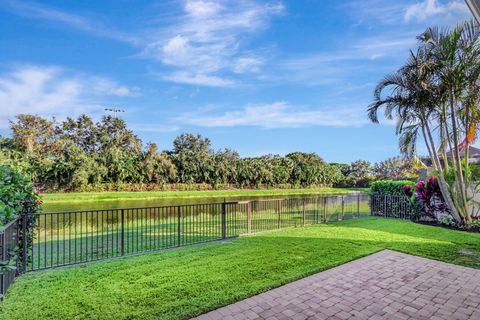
[(390, 187), (16, 198), (16, 195)]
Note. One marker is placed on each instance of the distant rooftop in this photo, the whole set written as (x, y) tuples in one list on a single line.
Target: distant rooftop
[(472, 153)]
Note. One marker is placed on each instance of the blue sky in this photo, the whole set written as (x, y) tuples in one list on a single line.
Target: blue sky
[(256, 76)]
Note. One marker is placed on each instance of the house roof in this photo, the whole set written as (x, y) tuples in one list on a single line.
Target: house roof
[(472, 153)]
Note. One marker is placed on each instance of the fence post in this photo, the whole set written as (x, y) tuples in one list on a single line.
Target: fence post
[(343, 208), (249, 217), (358, 205), (324, 209), (385, 207), (24, 242), (178, 225), (123, 232), (303, 210), (277, 204), (224, 221), (372, 203)]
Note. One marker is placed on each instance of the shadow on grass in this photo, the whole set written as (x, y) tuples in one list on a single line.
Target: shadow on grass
[(185, 282)]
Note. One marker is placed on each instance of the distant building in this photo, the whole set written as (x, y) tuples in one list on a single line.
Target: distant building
[(473, 155)]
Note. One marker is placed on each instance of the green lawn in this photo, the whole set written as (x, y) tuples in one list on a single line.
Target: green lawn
[(97, 196), (180, 283)]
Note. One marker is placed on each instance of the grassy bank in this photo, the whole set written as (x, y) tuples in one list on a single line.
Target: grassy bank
[(106, 196), (181, 283)]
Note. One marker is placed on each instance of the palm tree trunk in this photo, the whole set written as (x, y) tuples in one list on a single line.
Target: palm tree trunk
[(456, 214), (457, 159), (443, 137)]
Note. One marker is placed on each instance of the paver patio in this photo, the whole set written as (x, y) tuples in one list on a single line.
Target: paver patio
[(385, 285)]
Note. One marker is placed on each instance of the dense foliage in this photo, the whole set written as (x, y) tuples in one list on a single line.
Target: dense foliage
[(16, 195), (16, 198), (430, 199), (78, 154), (390, 187)]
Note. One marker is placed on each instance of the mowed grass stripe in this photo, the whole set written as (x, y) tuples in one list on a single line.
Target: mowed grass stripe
[(181, 283)]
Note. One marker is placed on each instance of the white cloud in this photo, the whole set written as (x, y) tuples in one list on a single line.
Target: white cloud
[(277, 115), (433, 8), (246, 64), (202, 8), (198, 79), (207, 40), (53, 91)]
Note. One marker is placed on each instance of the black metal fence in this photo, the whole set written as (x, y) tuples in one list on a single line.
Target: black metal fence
[(66, 238), (8, 254), (389, 206)]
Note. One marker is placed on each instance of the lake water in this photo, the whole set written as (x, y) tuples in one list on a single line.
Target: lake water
[(135, 203)]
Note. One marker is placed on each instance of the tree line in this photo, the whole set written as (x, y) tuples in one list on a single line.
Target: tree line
[(79, 154)]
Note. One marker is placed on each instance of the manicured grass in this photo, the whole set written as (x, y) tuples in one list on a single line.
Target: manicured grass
[(180, 283), (105, 196)]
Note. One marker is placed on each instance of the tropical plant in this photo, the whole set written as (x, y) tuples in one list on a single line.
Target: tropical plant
[(17, 197), (391, 187), (435, 95)]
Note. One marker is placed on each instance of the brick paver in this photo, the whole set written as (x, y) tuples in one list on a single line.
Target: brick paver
[(385, 285)]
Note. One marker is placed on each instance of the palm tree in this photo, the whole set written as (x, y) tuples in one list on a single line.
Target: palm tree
[(411, 91), (437, 93)]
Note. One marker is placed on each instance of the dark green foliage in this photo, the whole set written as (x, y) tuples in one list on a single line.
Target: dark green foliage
[(16, 197), (390, 187), (358, 174), (79, 154)]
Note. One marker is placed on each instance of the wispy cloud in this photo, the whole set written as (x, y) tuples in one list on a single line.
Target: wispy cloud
[(398, 13), (43, 12), (207, 40), (54, 91), (276, 115), (198, 47), (433, 8), (341, 65), (186, 77)]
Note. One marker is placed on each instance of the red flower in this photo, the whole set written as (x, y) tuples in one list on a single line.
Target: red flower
[(38, 202)]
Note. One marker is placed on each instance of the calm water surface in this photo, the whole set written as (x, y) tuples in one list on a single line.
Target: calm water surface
[(135, 203)]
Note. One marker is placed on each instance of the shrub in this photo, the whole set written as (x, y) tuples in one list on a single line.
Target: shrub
[(431, 201), (17, 197), (390, 187)]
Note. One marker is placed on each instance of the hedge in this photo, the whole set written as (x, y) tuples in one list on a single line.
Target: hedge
[(390, 187)]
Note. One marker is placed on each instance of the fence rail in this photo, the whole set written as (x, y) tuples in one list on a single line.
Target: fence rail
[(66, 238)]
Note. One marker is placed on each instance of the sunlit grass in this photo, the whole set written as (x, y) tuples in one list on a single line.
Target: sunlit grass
[(184, 282)]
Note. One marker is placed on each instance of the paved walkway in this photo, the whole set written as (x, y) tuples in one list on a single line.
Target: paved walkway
[(385, 285)]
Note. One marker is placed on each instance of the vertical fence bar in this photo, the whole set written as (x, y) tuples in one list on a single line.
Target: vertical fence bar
[(303, 212), (358, 205), (178, 225), (224, 220), (249, 217), (122, 240), (24, 242), (343, 208), (324, 209)]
